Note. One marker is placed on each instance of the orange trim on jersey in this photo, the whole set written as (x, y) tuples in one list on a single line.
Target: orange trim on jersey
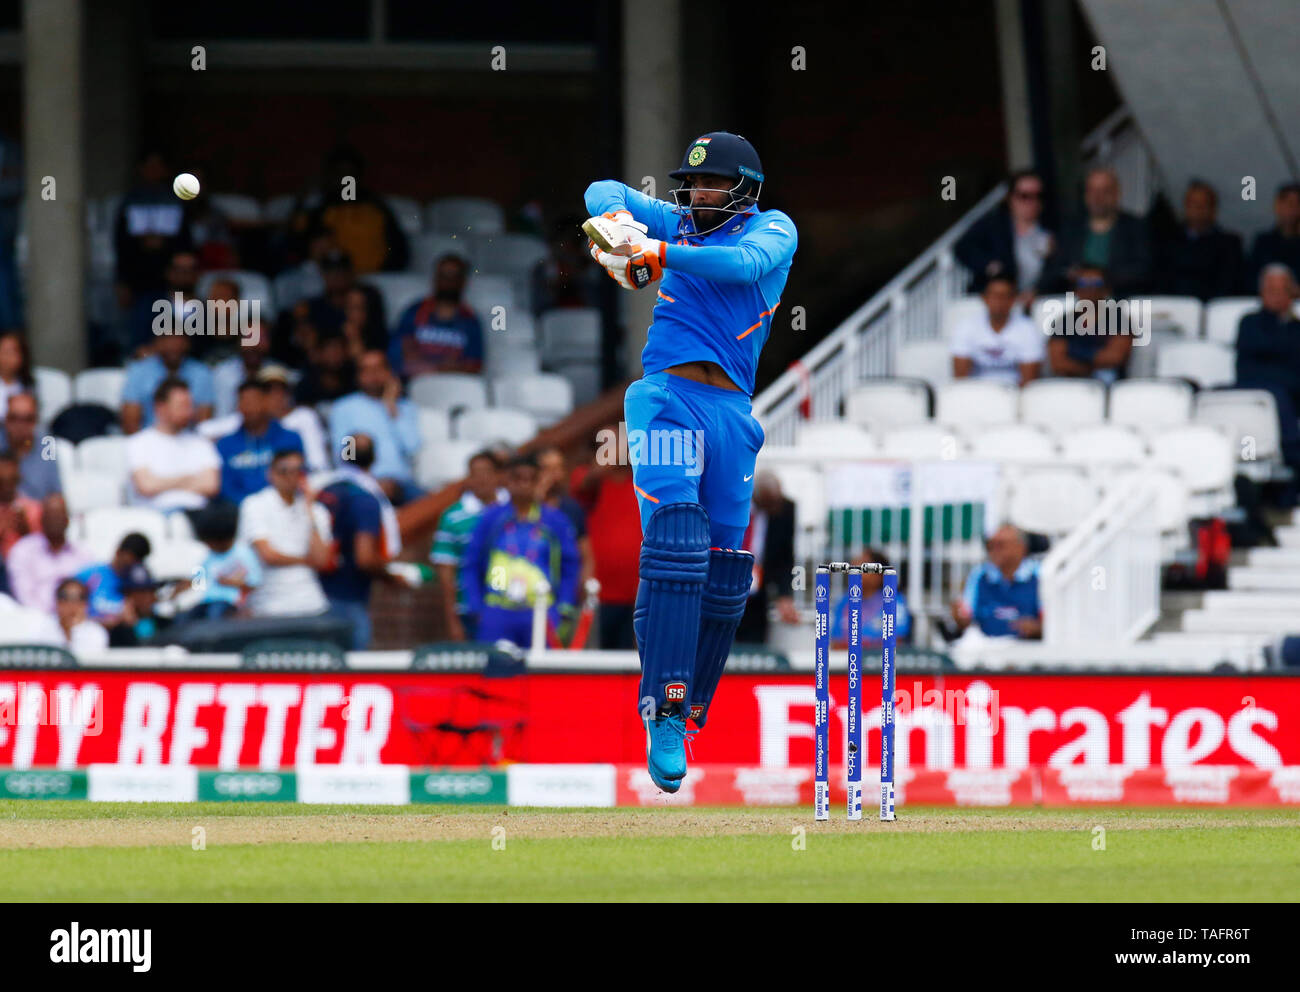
[(750, 330), (644, 493), (665, 296)]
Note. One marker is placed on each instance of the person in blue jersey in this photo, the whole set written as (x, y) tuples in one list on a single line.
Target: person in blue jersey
[(717, 265)]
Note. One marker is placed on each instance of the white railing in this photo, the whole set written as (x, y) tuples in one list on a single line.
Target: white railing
[(1100, 585), (1117, 143)]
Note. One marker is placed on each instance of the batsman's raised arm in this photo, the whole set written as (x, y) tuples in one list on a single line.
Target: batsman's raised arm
[(608, 196)]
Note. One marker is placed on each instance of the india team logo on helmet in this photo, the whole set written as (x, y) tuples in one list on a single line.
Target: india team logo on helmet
[(699, 151)]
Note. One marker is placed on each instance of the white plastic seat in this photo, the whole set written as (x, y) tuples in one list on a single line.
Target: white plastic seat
[(835, 439), (1150, 404), (457, 214), (1206, 363), (1181, 314), (1172, 506), (492, 424), (438, 464), (920, 442), (508, 254), (103, 386), (85, 490), (106, 455), (1061, 403), (570, 333), (1143, 360), (398, 291), (178, 559), (101, 530), (957, 312), (1051, 501), (485, 293), (435, 425), (1103, 444), (888, 403), (65, 458), (1201, 455), (1222, 317), (428, 247), (53, 392), (238, 208), (928, 360), (1038, 310), (448, 390), (1013, 443), (975, 402), (1248, 413), (251, 286), (547, 396), (410, 218), (583, 376), (506, 358)]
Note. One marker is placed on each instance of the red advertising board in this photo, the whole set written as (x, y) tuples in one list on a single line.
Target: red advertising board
[(274, 720)]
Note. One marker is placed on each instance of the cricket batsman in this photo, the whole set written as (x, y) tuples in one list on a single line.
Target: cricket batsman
[(717, 265)]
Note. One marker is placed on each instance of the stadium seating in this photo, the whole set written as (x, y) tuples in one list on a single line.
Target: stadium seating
[(959, 311), (448, 391), (398, 290), (1051, 501), (975, 403), (1058, 404), (1181, 314), (103, 386), (485, 293), (888, 403), (410, 218), (570, 334), (99, 531), (1202, 456), (438, 464), (252, 286), (1223, 315), (832, 439), (428, 247), (53, 391), (920, 441), (1247, 413), (1206, 363), (926, 360), (1150, 404), (239, 209), (1013, 443), (459, 214), (105, 455), (86, 489), (546, 396), (435, 425), (1103, 444), (488, 425), (508, 254)]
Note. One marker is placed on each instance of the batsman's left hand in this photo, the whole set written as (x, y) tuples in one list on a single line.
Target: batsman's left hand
[(634, 266)]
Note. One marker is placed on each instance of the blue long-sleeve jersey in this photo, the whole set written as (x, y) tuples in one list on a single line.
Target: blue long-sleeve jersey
[(719, 290)]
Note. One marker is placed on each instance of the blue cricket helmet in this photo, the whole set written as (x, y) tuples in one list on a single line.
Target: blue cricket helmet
[(721, 153)]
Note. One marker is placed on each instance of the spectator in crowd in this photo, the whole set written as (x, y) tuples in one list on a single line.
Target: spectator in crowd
[(38, 473), (140, 621), (1268, 357), (870, 618), (363, 326), (770, 539), (326, 316), (1199, 258), (564, 278), (181, 276), (553, 490), (37, 562), (231, 571), (1001, 594), (106, 582), (482, 489), (331, 372), (171, 467), (1094, 344), (377, 409), (1280, 243), (1001, 344), (220, 319), (246, 452), (151, 226), (1106, 237), (171, 358), (305, 280), (605, 489), (302, 420), (439, 333), (15, 367), (366, 539), (1010, 239), (19, 515), (361, 221), (288, 530), (515, 547), (231, 373), (69, 627)]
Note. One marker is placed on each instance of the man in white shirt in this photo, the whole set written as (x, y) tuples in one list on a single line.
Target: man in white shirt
[(290, 534), (171, 467), (1000, 344)]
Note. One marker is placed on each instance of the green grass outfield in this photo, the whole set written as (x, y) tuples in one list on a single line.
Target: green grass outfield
[(80, 851)]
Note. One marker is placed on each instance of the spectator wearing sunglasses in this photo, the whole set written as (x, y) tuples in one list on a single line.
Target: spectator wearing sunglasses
[(70, 627), (1010, 241), (1093, 343)]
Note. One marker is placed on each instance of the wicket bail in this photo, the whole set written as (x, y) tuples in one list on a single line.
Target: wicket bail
[(821, 666)]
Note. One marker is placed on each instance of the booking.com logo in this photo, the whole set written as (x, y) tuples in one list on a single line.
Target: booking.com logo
[(210, 318)]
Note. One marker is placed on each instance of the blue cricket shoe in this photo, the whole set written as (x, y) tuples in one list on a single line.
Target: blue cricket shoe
[(665, 750)]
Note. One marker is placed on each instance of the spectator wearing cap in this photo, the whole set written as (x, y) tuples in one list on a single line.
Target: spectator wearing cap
[(439, 333), (1105, 237), (1001, 594), (169, 360), (360, 219), (38, 473), (171, 467), (1268, 357), (105, 582), (228, 375), (1010, 239), (1199, 258), (302, 420), (140, 621), (19, 514), (38, 562), (289, 532), (1000, 344), (1280, 244), (456, 524), (246, 452), (366, 539), (70, 627), (1089, 347), (378, 410)]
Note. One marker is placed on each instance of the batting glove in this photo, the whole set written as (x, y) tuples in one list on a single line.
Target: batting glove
[(612, 229), (634, 266)]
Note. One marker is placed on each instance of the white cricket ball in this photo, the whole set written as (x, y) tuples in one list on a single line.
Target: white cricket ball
[(185, 186)]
